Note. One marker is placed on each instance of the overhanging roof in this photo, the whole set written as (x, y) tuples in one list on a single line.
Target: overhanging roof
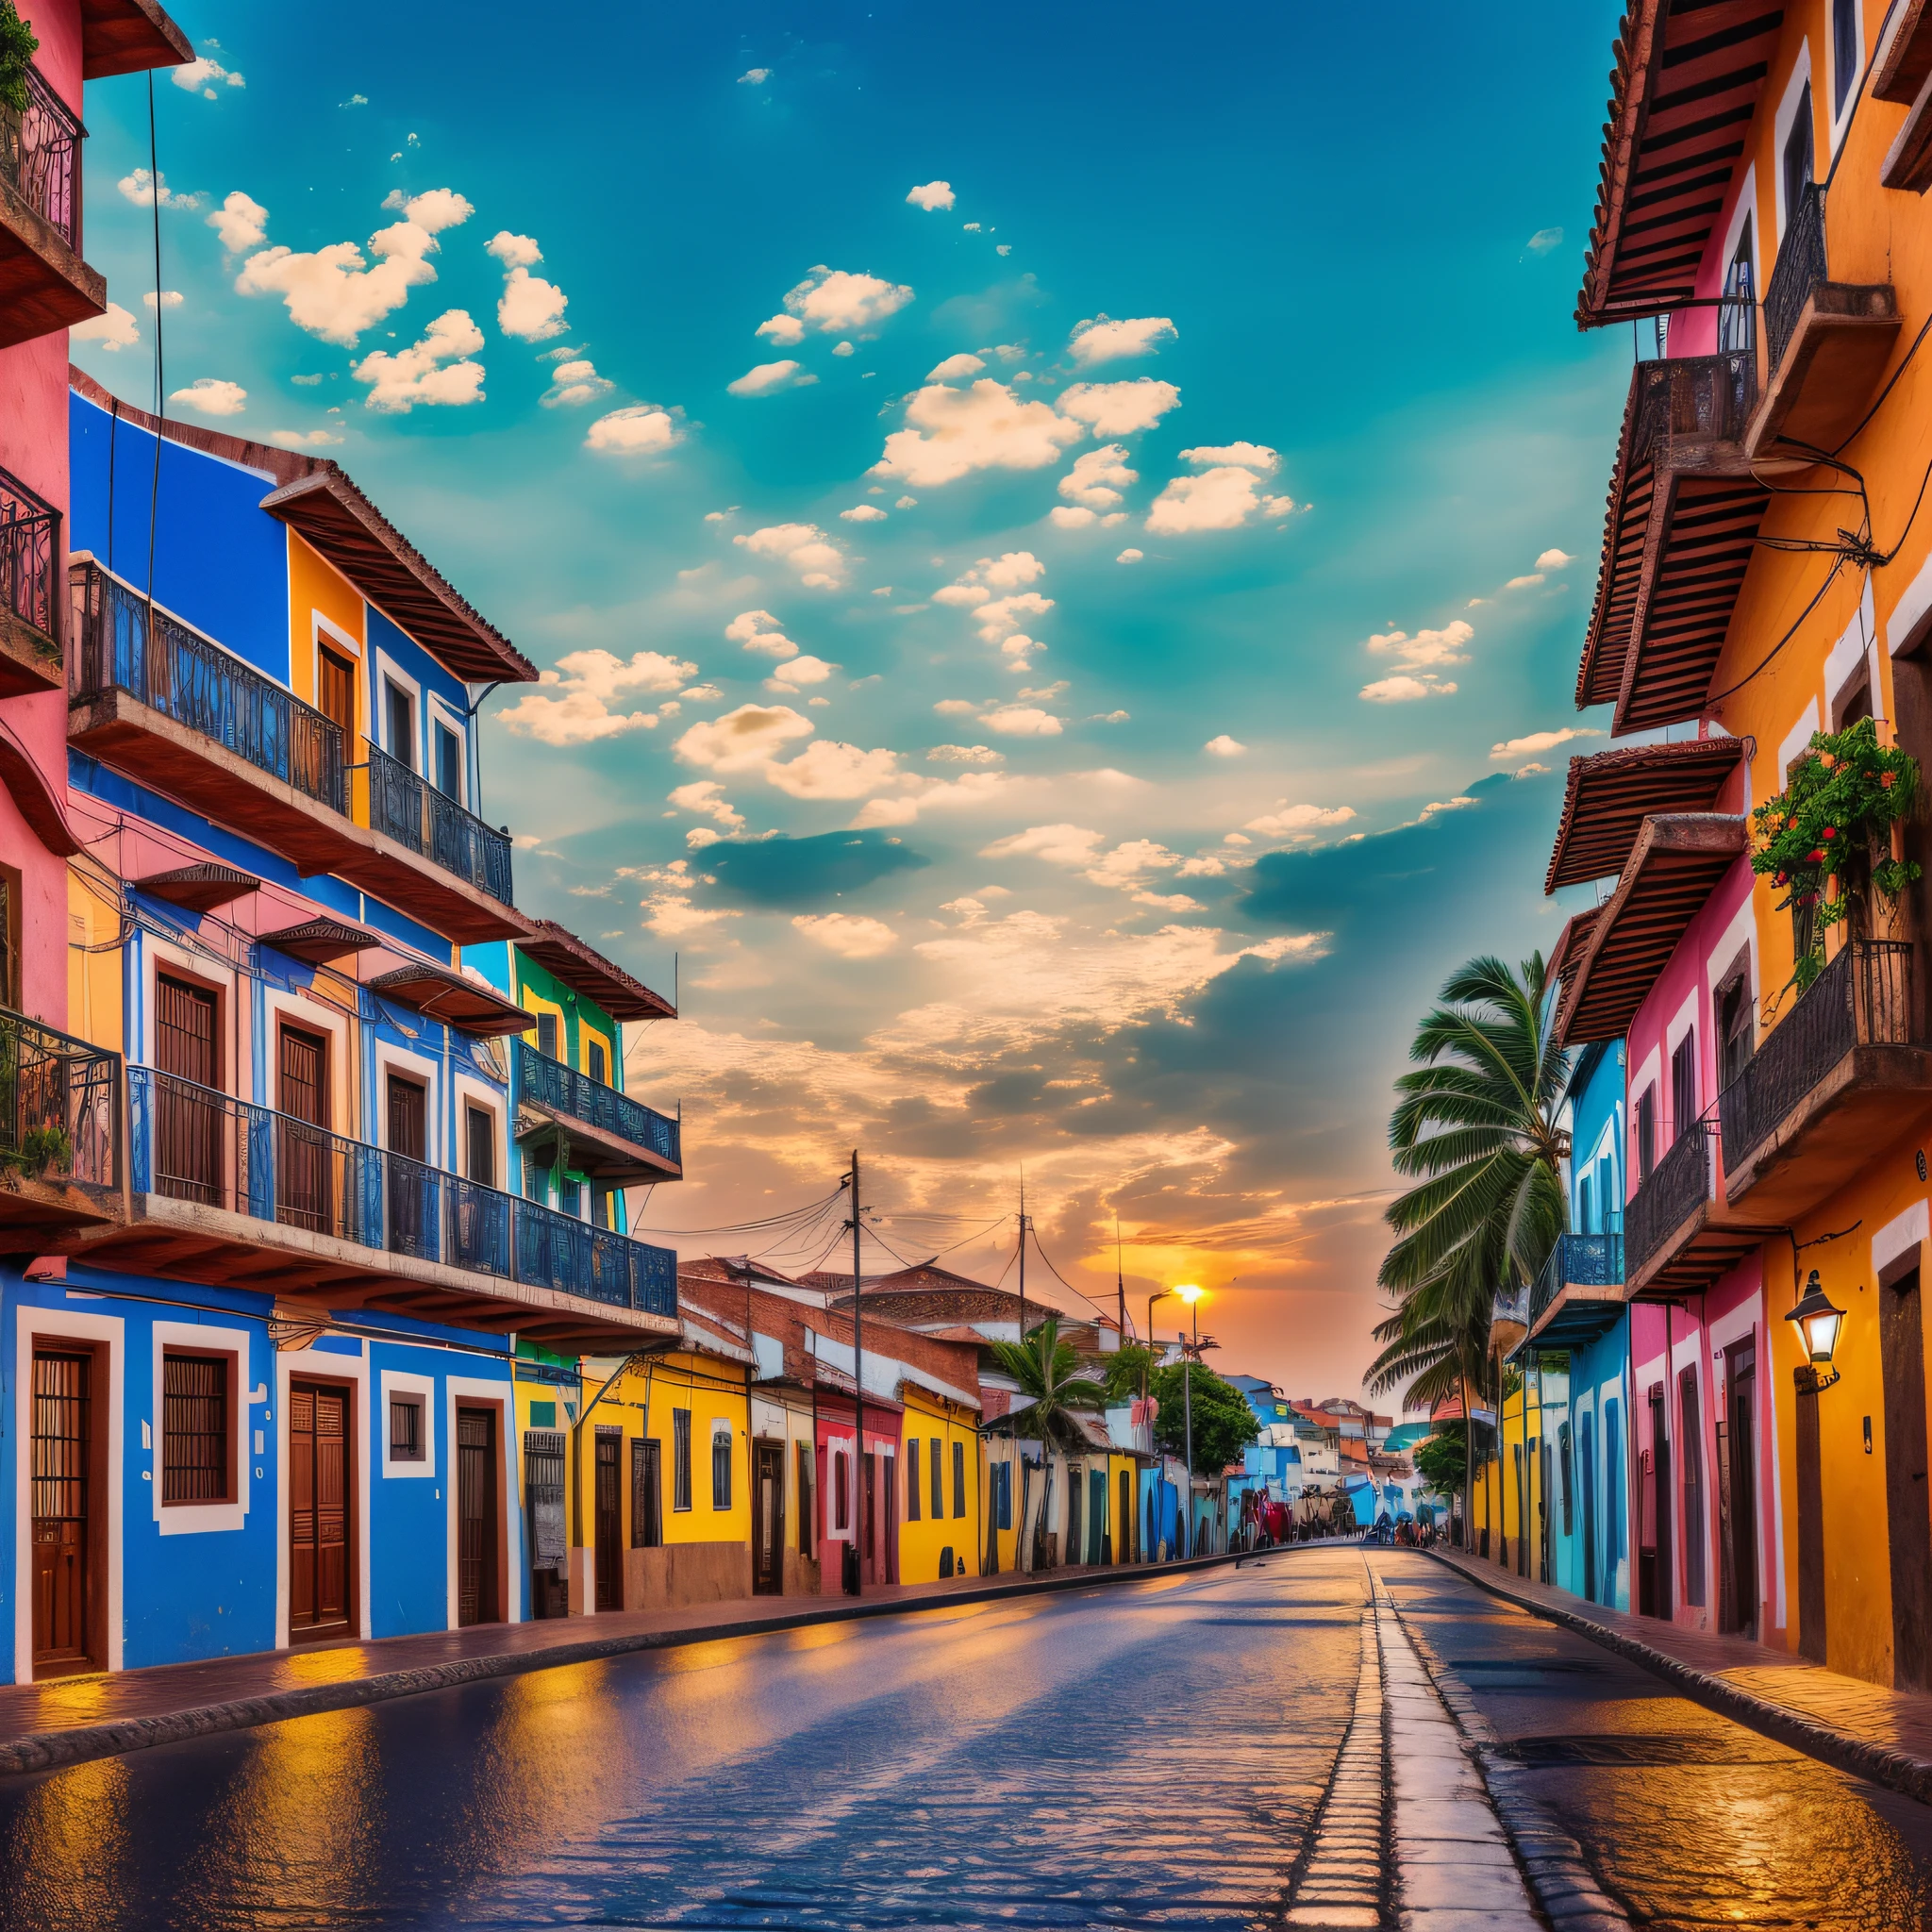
[(1905, 62), (1672, 869), (560, 953), (318, 499), (1608, 798), (199, 887), (128, 37), (321, 939), (1685, 85), (437, 993), (1566, 955)]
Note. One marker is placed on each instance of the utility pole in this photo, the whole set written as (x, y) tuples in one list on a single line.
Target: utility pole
[(861, 1515), (1188, 1404), (1023, 1258), (1119, 1281)]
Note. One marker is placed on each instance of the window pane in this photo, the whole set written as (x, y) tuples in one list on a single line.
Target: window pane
[(405, 1428), (449, 762), (912, 1479), (939, 1482), (721, 1472), (195, 1428), (958, 1478), (680, 1455)]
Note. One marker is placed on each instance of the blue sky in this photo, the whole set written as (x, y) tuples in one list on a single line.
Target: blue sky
[(1149, 902)]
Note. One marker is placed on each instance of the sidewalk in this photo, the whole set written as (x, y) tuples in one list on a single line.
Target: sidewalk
[(1857, 1728), (70, 1719)]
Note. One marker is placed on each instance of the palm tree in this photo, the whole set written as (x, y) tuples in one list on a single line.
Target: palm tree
[(1048, 1371), (1477, 1120)]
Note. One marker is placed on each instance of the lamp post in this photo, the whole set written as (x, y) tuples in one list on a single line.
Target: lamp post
[(1187, 1292), (1818, 1327)]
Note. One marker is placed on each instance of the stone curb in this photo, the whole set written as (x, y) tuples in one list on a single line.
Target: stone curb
[(1882, 1764), (53, 1750)]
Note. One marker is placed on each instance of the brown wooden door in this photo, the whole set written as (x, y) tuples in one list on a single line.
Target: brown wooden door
[(610, 1520), (1812, 1639), (646, 1494), (768, 1519), (319, 1513), (1908, 1508), (1665, 1480), (62, 1454), (188, 1120), (302, 1157), (336, 695), (410, 1207), (1741, 1417), (476, 1516)]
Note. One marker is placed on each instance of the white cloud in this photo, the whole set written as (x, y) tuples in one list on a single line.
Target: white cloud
[(1448, 645), (932, 195), (203, 76), (1067, 516), (1119, 409), (820, 563), (802, 670), (785, 330), (1062, 844), (1224, 747), (1010, 569), (971, 790), (114, 328), (355, 101), (164, 298), (955, 365), (837, 303), (1005, 615), (1101, 340), (1540, 741), (844, 349), (1244, 456), (847, 934), (741, 740), (1098, 476), (1460, 802), (1224, 498), (1555, 560), (755, 76), (758, 630), (576, 703), (434, 369), (1532, 769), (1130, 557), (1400, 690), (827, 769), (210, 395), (513, 250), (642, 430), (954, 708), (864, 514), (1298, 822), (334, 292), (768, 377), (529, 307), (303, 439), (574, 382), (949, 433), (965, 755), (1523, 583), (241, 222), (1021, 721), (1544, 239), (706, 797)]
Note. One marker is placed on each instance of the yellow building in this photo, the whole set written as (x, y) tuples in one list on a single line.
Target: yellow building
[(939, 1533)]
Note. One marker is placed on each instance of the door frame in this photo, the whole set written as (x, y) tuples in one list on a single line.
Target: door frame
[(103, 1337), (773, 1447), (326, 1366), (513, 1568)]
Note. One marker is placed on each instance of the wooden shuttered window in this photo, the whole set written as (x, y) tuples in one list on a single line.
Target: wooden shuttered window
[(680, 1459), (958, 1478), (912, 1479), (938, 1481), (721, 1471), (196, 1453)]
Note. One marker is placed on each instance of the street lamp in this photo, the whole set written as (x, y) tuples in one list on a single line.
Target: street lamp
[(1818, 1324), (1190, 1294)]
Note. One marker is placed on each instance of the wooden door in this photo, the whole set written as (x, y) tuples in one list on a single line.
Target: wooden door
[(1740, 1433), (188, 1118), (646, 1494), (1124, 1536), (1690, 1465), (1096, 1515), (1587, 1441), (62, 1461), (867, 1549), (302, 1192), (319, 1513), (1811, 1521), (476, 1516), (888, 1502), (1908, 1508), (1076, 1546), (768, 1519), (336, 695), (609, 1527), (1666, 1524), (411, 1208)]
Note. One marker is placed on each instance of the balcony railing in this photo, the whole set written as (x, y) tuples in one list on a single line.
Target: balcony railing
[(40, 157), (192, 1143), (1693, 399), (546, 1082), (1800, 265), (59, 1104), (431, 823), (190, 679), (29, 543), (1863, 998), (1583, 1260), (1676, 1187)]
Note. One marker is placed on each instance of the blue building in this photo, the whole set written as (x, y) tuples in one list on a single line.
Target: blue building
[(264, 1355)]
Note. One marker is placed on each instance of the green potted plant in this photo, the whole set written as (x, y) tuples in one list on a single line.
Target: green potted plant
[(18, 47)]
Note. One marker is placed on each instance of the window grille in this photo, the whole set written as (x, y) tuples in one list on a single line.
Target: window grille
[(405, 1428), (195, 1428), (680, 1459)]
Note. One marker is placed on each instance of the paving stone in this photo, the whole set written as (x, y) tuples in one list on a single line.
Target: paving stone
[(1468, 1887)]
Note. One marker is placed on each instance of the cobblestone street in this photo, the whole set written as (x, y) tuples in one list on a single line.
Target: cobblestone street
[(1322, 1738)]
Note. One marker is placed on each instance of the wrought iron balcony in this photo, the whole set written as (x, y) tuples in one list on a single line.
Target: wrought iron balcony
[(1849, 1044), (1673, 1192), (44, 283), (1801, 262), (124, 643), (29, 599), (193, 1144), (59, 1106), (403, 807), (618, 1126), (1578, 1261)]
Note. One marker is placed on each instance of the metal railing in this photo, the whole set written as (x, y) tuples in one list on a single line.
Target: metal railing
[(1862, 998), (40, 157), (1799, 267), (190, 678), (1581, 1261), (29, 543), (1676, 1187), (1693, 399), (546, 1082), (192, 1143), (59, 1104), (414, 814)]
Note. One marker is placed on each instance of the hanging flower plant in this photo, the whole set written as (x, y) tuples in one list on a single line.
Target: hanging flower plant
[(1844, 797), (17, 49)]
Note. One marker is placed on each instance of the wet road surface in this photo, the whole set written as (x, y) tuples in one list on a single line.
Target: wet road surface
[(1163, 1753)]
